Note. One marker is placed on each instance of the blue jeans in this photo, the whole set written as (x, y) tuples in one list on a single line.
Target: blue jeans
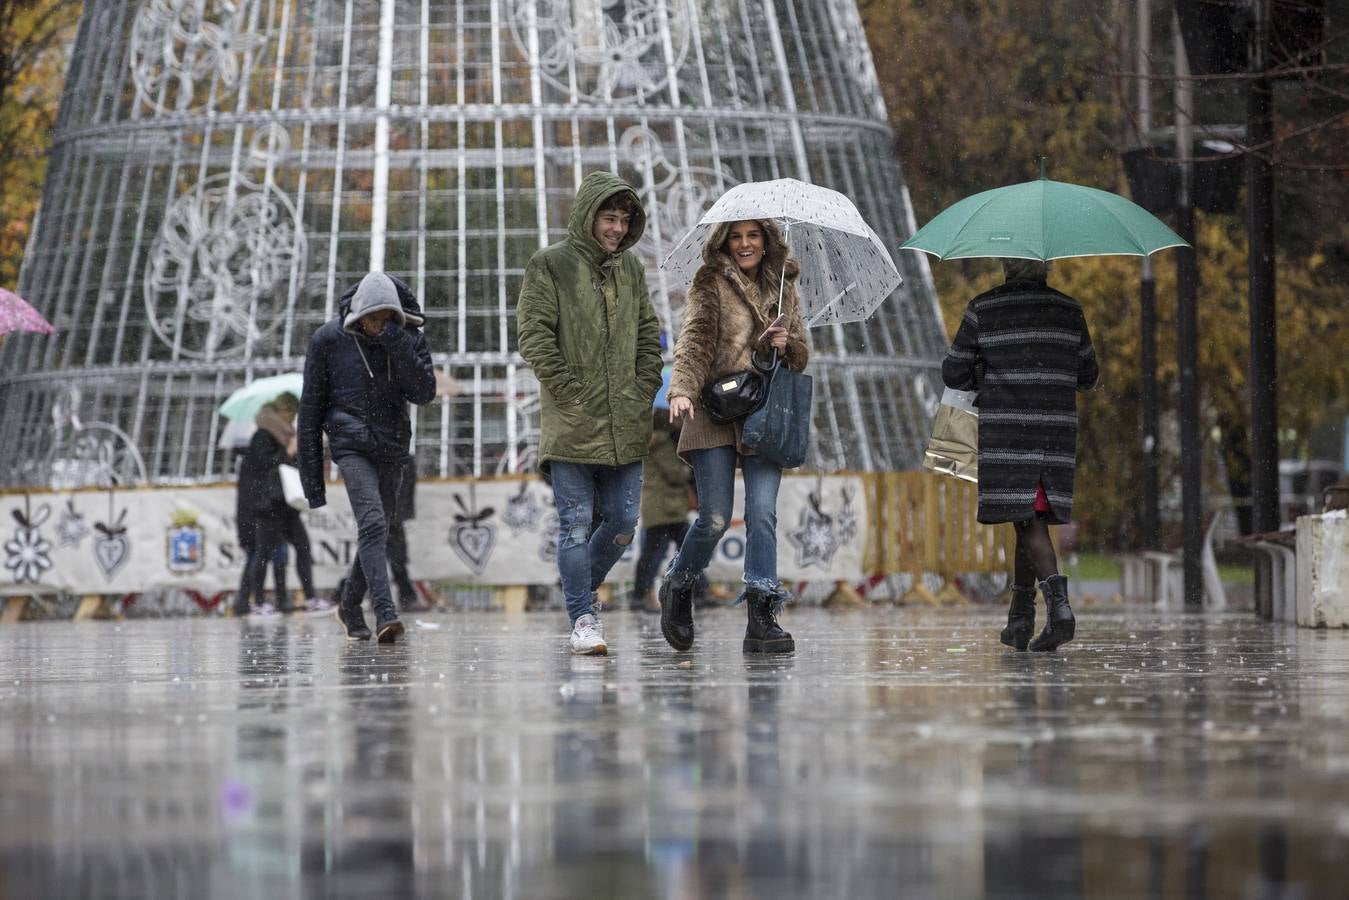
[(579, 492), (714, 471)]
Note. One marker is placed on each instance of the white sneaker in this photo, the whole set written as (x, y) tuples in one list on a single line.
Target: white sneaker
[(587, 636), (318, 606), (263, 611)]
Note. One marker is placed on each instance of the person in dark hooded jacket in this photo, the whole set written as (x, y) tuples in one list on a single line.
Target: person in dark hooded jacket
[(362, 370)]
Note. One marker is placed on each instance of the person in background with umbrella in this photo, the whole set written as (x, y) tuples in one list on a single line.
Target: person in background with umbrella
[(732, 310), (1025, 348), (262, 506), (361, 371), (16, 314), (667, 497)]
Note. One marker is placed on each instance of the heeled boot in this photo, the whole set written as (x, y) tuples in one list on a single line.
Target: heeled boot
[(1020, 618), (1060, 624)]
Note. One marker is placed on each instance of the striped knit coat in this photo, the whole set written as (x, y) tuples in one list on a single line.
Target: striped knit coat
[(1026, 349)]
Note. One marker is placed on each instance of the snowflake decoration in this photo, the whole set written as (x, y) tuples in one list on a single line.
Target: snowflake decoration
[(814, 539), (847, 517), (72, 528), (606, 50), (219, 266), (522, 511), (185, 45)]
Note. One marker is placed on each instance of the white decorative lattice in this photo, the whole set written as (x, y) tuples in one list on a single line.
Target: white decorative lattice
[(676, 198), (857, 59), (183, 49), (607, 50), (222, 260)]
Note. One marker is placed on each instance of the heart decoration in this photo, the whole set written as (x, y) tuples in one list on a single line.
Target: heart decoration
[(472, 536), (111, 548)]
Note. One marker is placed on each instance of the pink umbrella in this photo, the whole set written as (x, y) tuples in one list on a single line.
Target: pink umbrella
[(17, 315)]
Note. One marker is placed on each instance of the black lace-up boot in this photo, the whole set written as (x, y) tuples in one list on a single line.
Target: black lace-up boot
[(1060, 623), (1020, 617), (676, 609), (763, 634)]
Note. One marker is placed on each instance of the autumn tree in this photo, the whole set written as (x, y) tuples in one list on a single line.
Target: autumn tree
[(35, 40), (976, 91)]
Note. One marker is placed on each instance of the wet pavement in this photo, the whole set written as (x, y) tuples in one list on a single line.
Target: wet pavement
[(898, 753)]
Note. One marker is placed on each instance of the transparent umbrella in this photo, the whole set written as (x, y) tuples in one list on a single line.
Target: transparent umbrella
[(846, 272)]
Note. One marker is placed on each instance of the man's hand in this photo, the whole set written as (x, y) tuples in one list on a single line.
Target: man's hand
[(681, 406)]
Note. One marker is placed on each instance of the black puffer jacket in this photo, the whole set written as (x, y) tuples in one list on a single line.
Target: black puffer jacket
[(356, 390), (260, 492)]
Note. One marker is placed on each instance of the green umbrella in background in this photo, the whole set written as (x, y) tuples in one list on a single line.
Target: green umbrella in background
[(1046, 220), (243, 404)]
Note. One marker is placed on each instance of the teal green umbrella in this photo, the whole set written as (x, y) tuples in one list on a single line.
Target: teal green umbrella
[(243, 404), (1043, 219)]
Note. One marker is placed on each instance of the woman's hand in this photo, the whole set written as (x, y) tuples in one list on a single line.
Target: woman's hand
[(776, 338), (681, 406)]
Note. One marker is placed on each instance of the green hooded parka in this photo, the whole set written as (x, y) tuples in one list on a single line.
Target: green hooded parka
[(587, 327)]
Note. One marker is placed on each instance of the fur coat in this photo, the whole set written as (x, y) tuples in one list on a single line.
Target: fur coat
[(724, 314)]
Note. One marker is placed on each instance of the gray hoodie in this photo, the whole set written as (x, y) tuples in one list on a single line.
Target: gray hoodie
[(375, 292)]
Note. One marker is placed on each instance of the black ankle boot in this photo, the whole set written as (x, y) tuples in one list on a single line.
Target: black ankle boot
[(1020, 618), (1059, 622), (763, 634), (676, 609)]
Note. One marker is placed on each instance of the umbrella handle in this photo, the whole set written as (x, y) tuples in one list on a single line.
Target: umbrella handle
[(782, 278)]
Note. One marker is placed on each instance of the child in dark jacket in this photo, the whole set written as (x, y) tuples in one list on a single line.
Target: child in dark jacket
[(361, 372)]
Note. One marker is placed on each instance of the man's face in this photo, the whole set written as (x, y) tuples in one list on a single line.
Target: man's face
[(373, 323), (611, 226)]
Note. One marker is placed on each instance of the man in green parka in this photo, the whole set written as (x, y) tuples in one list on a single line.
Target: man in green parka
[(587, 327)]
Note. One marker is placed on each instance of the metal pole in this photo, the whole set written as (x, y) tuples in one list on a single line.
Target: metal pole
[(1263, 322), (1150, 527), (1187, 328)]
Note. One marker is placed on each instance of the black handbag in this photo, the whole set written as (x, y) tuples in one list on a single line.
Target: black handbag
[(732, 397)]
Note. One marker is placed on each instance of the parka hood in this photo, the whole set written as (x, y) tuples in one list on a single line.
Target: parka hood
[(376, 291), (595, 189), (775, 253)]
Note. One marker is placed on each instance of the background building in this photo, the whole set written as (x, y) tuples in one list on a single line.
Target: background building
[(223, 170)]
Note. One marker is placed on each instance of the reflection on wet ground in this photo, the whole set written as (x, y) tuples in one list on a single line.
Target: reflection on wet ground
[(899, 753)]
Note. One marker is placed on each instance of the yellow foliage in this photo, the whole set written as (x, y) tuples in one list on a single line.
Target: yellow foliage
[(35, 42)]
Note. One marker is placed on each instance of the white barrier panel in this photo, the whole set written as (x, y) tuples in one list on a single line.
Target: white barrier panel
[(500, 531), (1323, 570)]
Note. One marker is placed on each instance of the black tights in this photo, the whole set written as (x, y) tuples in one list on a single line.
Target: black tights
[(1035, 559)]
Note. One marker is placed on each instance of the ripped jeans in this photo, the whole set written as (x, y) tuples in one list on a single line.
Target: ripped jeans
[(583, 493), (714, 471)]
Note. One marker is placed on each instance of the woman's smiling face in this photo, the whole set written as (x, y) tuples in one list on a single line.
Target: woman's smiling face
[(745, 243)]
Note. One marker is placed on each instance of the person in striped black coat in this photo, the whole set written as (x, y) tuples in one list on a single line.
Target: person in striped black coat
[(1025, 348)]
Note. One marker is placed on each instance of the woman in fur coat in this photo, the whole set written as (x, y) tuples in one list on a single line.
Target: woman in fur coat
[(731, 305)]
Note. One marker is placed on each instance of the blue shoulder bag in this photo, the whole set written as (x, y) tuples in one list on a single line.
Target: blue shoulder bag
[(779, 429)]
